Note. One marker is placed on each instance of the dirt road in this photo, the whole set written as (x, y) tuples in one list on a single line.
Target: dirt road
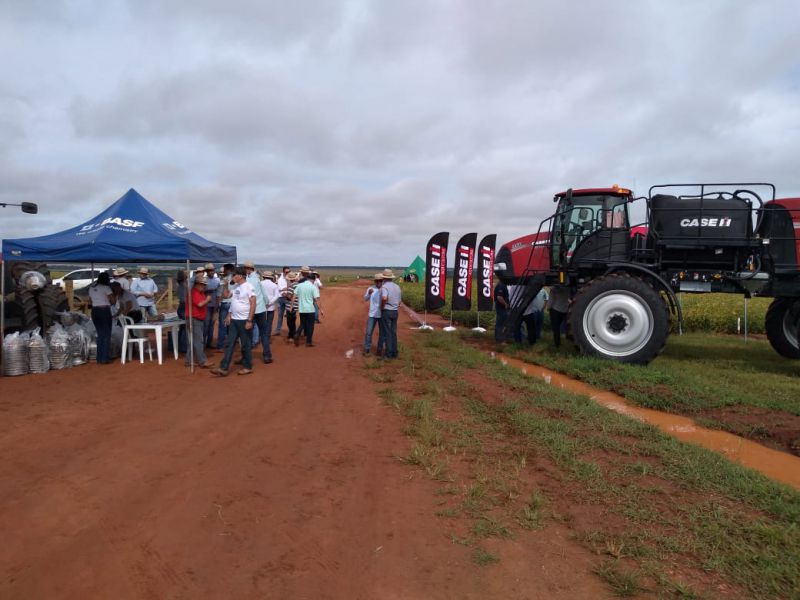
[(140, 481)]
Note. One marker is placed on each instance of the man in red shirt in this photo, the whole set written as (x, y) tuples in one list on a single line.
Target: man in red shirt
[(199, 308)]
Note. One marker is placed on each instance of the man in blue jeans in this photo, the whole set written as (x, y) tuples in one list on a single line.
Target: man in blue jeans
[(224, 304), (240, 320), (283, 285), (373, 296), (391, 296), (212, 293)]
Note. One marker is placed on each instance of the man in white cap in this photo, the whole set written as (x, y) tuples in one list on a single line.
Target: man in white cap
[(119, 275), (391, 296), (373, 296), (212, 291), (145, 290)]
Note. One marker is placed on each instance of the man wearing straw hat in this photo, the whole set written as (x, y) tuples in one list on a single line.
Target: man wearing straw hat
[(391, 296), (307, 305), (373, 296), (240, 320), (119, 276), (212, 291), (271, 295), (260, 317), (200, 301), (145, 290)]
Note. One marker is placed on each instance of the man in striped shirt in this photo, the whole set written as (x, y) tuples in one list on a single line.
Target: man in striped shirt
[(291, 304)]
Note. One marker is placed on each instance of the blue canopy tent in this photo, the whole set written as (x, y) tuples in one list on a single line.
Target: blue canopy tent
[(130, 230)]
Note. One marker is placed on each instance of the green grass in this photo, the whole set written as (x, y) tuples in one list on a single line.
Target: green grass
[(623, 582), (696, 372), (483, 558), (668, 506)]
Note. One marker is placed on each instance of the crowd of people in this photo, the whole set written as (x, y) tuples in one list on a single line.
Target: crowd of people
[(238, 306)]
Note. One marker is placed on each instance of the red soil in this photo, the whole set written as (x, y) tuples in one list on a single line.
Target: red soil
[(140, 481)]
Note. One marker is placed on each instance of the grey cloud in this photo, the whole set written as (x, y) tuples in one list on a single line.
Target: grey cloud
[(229, 106), (264, 22), (351, 131)]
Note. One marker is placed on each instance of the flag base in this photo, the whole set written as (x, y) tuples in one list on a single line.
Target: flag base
[(425, 327), (449, 328), (479, 329)]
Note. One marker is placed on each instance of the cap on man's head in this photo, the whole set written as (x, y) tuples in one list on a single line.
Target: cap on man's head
[(388, 274), (209, 267), (144, 271), (305, 269), (378, 277), (201, 278), (120, 272), (269, 275), (249, 265), (293, 276)]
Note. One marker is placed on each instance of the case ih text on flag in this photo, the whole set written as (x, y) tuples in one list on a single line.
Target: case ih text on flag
[(462, 280), (486, 272), (436, 271)]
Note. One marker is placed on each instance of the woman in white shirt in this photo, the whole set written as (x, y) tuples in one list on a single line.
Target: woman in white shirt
[(102, 298)]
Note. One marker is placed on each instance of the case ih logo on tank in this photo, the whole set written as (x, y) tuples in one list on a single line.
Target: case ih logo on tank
[(466, 255), (707, 222), (487, 259), (438, 270)]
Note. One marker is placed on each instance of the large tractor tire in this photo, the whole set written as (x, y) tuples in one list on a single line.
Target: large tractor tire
[(30, 309), (27, 308), (52, 299), (782, 323), (621, 318)]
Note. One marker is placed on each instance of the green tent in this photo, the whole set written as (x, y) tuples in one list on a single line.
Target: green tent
[(416, 268)]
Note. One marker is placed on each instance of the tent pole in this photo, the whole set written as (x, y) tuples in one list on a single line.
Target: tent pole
[(2, 309), (190, 328)]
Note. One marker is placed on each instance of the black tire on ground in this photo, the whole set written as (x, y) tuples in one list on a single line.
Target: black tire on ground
[(781, 323), (620, 318)]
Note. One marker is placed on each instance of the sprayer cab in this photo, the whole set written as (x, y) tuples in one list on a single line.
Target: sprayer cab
[(589, 223)]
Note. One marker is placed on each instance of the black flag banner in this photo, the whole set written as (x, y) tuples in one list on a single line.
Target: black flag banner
[(486, 272), (462, 275), (436, 270)]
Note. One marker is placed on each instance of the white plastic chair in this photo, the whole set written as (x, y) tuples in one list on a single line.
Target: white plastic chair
[(133, 340)]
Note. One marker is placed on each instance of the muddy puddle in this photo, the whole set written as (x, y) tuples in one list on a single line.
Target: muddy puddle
[(772, 463)]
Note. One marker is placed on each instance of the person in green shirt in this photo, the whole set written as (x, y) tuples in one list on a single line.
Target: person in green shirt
[(307, 296)]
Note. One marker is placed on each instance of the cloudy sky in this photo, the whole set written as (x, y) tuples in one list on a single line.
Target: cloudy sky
[(347, 132)]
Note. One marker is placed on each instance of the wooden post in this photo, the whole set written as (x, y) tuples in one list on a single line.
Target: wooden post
[(169, 293), (68, 291)]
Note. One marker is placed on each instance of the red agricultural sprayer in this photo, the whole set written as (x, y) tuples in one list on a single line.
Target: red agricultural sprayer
[(623, 278)]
